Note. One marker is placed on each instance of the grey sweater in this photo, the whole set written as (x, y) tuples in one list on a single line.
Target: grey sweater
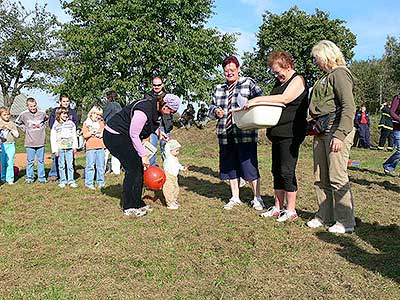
[(34, 126)]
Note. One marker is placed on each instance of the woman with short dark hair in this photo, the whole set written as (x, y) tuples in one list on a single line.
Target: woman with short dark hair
[(291, 90)]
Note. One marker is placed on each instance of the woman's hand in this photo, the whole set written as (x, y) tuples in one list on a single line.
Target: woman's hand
[(336, 145), (219, 112), (145, 161)]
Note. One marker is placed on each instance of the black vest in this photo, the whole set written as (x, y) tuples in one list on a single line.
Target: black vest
[(121, 121), (293, 121)]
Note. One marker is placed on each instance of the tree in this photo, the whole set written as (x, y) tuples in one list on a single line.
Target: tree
[(123, 44), (374, 83), (391, 60), (27, 49), (369, 80), (297, 32)]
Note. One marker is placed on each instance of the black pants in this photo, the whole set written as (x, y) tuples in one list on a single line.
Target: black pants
[(386, 134), (285, 153), (121, 147)]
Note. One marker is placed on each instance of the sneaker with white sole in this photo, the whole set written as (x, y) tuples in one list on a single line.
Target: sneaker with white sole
[(173, 206), (339, 228), (232, 202), (61, 185), (257, 203), (287, 215), (147, 208), (315, 223), (271, 212), (134, 212), (73, 185)]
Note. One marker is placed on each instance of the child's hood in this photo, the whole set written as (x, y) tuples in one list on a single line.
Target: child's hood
[(171, 145)]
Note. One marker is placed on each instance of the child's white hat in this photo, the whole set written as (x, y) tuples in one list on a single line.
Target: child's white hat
[(173, 144)]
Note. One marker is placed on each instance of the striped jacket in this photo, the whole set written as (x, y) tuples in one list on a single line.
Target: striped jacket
[(248, 89)]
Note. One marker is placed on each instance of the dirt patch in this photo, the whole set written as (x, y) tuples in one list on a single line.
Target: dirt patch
[(20, 158)]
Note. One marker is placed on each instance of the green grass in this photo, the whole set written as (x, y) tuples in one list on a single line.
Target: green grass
[(76, 244)]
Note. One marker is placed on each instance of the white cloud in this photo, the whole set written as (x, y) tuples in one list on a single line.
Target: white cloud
[(246, 41), (259, 5)]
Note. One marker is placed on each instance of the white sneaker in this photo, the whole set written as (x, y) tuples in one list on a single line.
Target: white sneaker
[(147, 208), (134, 211), (339, 228), (257, 203), (314, 223), (232, 202), (73, 185), (271, 212), (287, 216), (173, 206), (61, 185)]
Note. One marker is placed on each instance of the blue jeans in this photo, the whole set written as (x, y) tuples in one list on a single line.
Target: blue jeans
[(31, 152), (54, 166), (393, 160), (94, 162), (154, 141), (66, 157), (7, 162)]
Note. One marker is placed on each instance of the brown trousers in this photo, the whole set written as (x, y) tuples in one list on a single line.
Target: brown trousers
[(171, 189), (332, 183)]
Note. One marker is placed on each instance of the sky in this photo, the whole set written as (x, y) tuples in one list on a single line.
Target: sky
[(371, 21)]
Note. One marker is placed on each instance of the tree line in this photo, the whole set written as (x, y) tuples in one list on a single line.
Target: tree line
[(122, 44)]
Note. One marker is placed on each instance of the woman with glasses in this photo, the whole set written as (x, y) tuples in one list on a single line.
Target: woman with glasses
[(237, 148), (122, 137), (332, 100), (291, 90)]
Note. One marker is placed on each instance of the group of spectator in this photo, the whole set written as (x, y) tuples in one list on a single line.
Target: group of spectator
[(120, 131), (187, 118)]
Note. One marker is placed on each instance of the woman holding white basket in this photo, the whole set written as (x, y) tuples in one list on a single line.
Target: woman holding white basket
[(287, 135)]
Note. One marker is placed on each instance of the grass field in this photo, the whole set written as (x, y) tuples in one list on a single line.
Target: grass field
[(76, 244)]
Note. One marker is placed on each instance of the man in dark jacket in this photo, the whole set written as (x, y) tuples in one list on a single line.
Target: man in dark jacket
[(386, 128), (166, 121), (73, 116), (362, 122)]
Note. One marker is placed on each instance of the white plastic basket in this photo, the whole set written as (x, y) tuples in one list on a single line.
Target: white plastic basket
[(258, 115)]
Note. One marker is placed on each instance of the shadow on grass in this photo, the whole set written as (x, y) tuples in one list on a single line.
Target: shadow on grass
[(385, 184), (114, 191), (205, 171), (385, 240), (365, 170), (209, 189)]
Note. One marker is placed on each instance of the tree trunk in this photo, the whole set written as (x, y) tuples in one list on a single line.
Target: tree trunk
[(8, 100)]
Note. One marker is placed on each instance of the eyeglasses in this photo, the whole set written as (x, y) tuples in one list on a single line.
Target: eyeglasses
[(160, 84)]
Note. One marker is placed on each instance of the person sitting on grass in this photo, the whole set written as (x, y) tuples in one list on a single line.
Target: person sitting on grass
[(64, 143), (187, 118), (93, 133), (172, 168), (33, 122), (202, 116), (8, 134)]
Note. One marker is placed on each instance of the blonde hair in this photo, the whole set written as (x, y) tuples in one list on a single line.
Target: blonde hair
[(329, 54), (4, 109), (94, 110)]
